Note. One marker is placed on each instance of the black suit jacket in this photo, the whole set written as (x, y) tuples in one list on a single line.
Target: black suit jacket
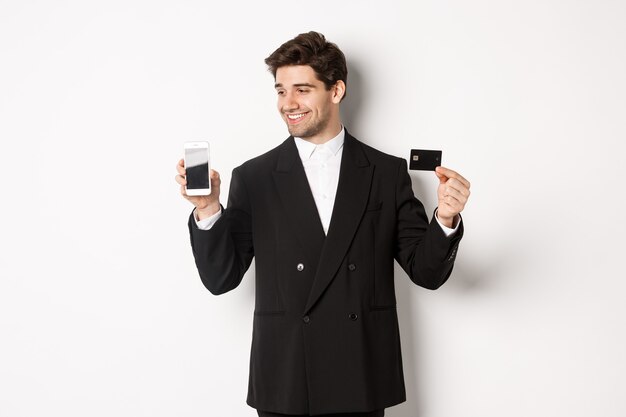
[(325, 332)]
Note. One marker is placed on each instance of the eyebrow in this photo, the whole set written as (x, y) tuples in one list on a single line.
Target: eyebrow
[(278, 85)]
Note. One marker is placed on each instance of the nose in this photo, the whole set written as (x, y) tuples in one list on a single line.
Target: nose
[(288, 103)]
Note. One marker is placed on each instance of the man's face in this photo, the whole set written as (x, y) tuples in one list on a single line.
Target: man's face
[(309, 110)]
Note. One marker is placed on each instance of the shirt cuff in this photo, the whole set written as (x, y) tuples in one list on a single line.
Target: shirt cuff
[(446, 230), (206, 224)]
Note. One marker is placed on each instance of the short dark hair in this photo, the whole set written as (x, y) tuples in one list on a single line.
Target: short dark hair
[(311, 49)]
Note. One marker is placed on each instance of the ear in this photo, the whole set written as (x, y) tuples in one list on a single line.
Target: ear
[(339, 90)]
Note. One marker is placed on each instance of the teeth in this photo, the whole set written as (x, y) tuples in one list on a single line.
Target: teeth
[(295, 116)]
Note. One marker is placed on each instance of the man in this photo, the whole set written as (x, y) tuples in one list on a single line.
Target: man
[(325, 216)]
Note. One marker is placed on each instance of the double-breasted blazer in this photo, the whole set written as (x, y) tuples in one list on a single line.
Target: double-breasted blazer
[(325, 335)]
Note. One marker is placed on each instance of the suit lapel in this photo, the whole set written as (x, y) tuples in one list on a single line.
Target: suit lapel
[(295, 195), (355, 178)]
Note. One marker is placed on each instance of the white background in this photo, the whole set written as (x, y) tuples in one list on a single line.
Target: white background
[(102, 312)]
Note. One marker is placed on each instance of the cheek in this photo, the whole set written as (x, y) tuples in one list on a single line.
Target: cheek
[(313, 105), (323, 109)]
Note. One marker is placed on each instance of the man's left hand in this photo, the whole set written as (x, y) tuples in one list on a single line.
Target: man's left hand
[(453, 192)]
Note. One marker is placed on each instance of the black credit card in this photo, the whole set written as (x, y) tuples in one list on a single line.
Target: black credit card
[(424, 160)]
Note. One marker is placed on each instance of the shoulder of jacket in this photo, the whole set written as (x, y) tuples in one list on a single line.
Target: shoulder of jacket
[(377, 157)]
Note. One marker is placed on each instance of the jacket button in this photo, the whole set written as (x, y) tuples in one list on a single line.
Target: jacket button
[(353, 316), (306, 319), (300, 267), (352, 267)]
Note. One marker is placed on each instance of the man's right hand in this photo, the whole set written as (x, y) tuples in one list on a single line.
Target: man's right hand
[(206, 205)]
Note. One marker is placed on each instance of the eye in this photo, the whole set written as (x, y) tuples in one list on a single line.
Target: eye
[(303, 90), (280, 92)]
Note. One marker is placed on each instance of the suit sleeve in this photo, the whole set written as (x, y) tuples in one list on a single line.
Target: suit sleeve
[(223, 254), (422, 249)]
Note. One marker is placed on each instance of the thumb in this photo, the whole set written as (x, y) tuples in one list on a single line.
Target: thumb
[(215, 179), (442, 178)]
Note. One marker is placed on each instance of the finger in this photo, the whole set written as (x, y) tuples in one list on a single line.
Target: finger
[(180, 167), (183, 191), (452, 174), (442, 178), (215, 179), (181, 180), (457, 185), (453, 205), (451, 196), (454, 193)]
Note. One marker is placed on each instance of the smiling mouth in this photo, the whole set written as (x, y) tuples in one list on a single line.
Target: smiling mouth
[(296, 117)]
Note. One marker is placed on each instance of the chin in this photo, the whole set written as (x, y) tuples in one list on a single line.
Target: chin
[(304, 131), (300, 133)]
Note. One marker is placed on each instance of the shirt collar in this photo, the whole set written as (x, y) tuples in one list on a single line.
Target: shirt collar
[(306, 148)]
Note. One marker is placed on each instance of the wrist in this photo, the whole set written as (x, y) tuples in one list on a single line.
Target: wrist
[(207, 211), (446, 221)]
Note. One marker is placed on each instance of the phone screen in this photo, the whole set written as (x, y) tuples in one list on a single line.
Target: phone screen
[(197, 167)]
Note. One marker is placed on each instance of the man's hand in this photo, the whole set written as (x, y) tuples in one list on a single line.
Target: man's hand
[(453, 192), (206, 205)]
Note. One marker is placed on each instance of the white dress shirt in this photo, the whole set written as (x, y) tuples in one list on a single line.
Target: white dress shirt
[(321, 165)]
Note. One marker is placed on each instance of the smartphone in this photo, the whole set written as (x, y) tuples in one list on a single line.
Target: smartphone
[(424, 160), (197, 167)]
